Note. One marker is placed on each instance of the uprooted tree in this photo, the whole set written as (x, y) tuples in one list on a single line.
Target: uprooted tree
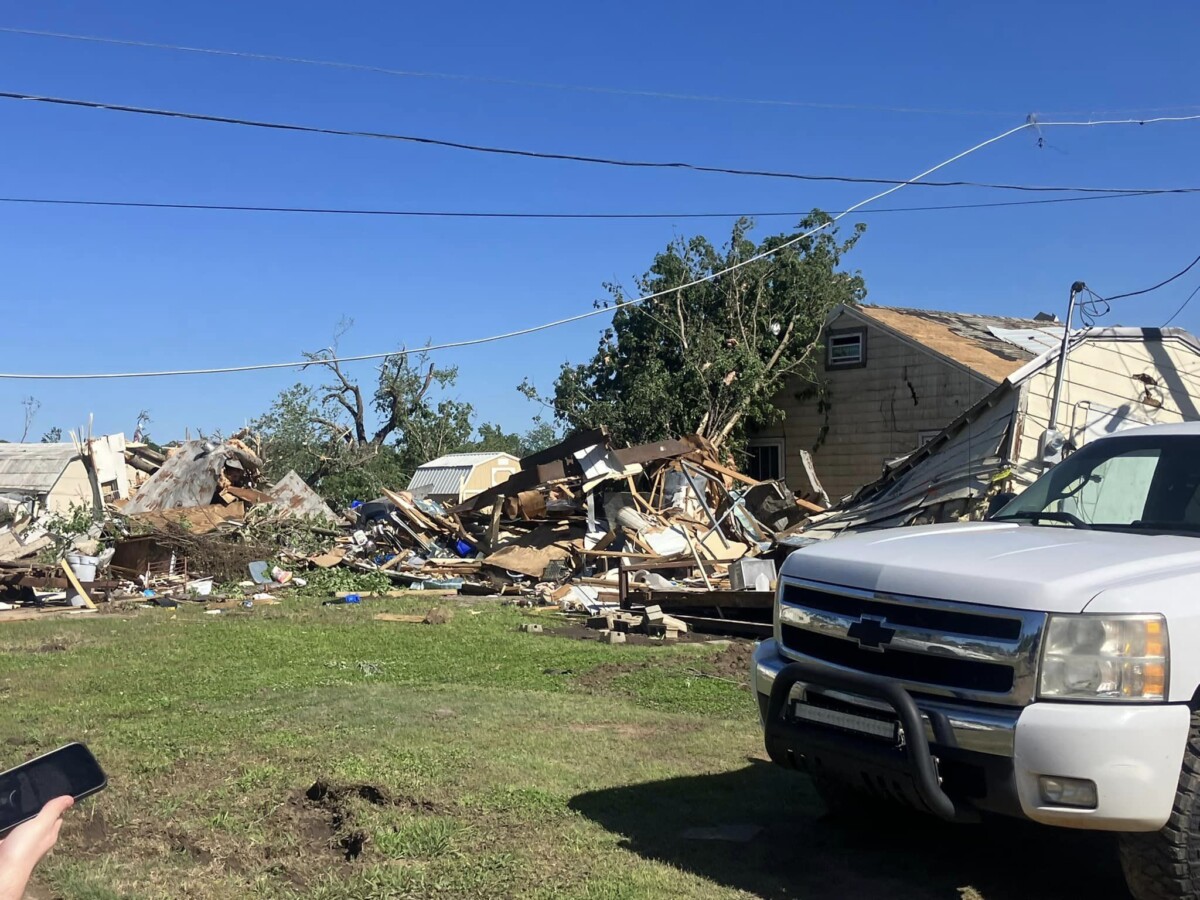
[(709, 356), (350, 442)]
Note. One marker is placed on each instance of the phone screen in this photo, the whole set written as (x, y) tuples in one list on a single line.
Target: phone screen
[(25, 789)]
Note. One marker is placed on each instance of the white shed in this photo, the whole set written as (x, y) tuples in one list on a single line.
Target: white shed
[(456, 477)]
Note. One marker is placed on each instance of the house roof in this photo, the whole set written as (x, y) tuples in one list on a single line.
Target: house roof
[(445, 474), (948, 467), (991, 346), (33, 468)]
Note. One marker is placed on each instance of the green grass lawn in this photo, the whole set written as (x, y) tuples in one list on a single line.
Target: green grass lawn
[(306, 751)]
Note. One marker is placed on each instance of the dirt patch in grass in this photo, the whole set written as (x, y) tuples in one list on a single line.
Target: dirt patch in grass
[(181, 843), (56, 644), (91, 833), (335, 808), (622, 729), (605, 674), (733, 662)]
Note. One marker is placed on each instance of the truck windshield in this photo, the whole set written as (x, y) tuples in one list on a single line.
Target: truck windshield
[(1145, 483)]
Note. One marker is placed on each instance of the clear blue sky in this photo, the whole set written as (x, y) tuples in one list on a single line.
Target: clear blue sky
[(103, 289)]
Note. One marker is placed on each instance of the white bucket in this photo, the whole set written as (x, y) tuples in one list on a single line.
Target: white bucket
[(202, 587), (84, 567)]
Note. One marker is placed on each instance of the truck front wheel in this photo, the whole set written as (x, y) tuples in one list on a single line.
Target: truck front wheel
[(1165, 864)]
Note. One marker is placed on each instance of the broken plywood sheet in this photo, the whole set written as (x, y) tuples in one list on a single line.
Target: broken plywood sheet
[(727, 550), (196, 519), (328, 560), (533, 552), (13, 548), (292, 495)]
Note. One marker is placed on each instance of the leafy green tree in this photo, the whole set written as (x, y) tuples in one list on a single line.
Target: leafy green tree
[(539, 437), (494, 438), (710, 358), (349, 442)]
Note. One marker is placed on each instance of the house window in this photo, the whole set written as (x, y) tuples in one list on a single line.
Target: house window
[(764, 460), (846, 349)]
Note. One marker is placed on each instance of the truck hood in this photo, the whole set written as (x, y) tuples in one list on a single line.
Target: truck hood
[(1044, 568)]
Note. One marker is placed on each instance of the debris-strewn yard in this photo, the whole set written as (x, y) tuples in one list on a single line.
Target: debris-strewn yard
[(307, 751)]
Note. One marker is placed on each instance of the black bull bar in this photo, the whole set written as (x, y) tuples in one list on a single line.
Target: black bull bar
[(911, 759)]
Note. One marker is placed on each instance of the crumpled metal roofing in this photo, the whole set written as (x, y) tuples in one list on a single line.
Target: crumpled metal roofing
[(33, 468)]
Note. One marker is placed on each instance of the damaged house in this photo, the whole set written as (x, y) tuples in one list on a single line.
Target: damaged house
[(52, 477), (1112, 379), (890, 380)]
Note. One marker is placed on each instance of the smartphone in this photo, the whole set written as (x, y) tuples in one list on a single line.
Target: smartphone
[(25, 789)]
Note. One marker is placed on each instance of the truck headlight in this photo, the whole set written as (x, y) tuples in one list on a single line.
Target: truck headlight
[(1104, 658)]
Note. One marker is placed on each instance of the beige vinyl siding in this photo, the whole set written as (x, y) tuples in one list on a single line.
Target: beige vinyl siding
[(1100, 376), (876, 412), (72, 487), (488, 474)]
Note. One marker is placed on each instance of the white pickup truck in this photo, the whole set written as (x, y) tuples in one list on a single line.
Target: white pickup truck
[(1043, 664)]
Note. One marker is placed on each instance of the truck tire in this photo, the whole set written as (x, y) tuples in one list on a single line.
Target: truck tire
[(1165, 864)]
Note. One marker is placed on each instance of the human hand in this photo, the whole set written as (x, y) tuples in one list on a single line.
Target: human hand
[(27, 844)]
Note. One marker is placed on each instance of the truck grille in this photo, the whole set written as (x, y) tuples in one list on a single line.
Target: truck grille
[(932, 646)]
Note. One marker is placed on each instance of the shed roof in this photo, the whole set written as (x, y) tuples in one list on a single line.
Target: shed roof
[(445, 474), (33, 468), (470, 460), (991, 346)]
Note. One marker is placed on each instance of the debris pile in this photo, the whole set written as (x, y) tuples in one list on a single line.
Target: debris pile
[(656, 538), (591, 527)]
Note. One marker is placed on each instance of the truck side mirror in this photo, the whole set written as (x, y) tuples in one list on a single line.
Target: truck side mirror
[(998, 502)]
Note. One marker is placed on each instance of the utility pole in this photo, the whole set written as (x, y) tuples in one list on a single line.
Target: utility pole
[(1053, 441)]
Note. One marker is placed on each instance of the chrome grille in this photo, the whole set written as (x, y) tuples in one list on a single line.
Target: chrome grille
[(934, 647)]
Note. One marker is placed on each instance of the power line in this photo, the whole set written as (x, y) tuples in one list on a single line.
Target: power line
[(460, 214), (599, 160), (1155, 287), (1183, 306), (545, 326), (556, 86), (511, 82)]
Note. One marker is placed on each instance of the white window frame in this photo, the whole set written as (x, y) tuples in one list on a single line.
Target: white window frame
[(842, 334)]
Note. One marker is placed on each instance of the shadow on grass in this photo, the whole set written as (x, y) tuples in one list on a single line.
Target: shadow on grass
[(801, 853)]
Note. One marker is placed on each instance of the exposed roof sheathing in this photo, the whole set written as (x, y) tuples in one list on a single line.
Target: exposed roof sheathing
[(991, 346)]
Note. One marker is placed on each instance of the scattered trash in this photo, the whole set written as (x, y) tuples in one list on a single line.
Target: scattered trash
[(260, 572)]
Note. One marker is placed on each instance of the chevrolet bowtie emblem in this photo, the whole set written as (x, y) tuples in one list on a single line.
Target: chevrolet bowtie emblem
[(871, 633)]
